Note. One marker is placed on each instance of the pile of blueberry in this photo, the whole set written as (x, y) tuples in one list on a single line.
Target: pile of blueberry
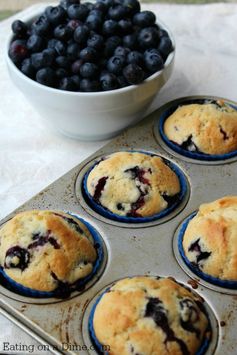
[(87, 47)]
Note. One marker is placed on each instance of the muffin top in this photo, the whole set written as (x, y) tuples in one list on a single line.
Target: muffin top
[(205, 128), (40, 249), (150, 316), (133, 184), (210, 240)]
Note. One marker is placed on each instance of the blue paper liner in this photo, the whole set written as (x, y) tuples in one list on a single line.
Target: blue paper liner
[(106, 213), (99, 347), (185, 152), (78, 285), (211, 279)]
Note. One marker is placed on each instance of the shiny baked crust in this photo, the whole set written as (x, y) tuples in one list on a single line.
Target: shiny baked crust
[(132, 184), (40, 249), (150, 316), (207, 128), (210, 240)]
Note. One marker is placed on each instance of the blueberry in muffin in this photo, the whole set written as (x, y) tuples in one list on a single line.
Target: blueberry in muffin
[(210, 240), (133, 184), (209, 128), (149, 316), (46, 250)]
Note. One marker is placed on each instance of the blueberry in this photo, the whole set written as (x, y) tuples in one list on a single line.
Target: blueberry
[(73, 51), (61, 73), (153, 62), (163, 33), (89, 70), (42, 59), (122, 51), (46, 76), (88, 85), (74, 23), (17, 257), (151, 50), (111, 44), (88, 54), (135, 57), (67, 84), (35, 43), (55, 15), (165, 47), (41, 26), (133, 74), (63, 32), (63, 62), (58, 46), (133, 6), (108, 81), (81, 34), (110, 28), (66, 3), (18, 51), (106, 3), (125, 26), (78, 11), (89, 5), (27, 68), (117, 12), (116, 64), (95, 41), (77, 80), (122, 81), (19, 28), (75, 67), (94, 22), (148, 38), (130, 41), (144, 19)]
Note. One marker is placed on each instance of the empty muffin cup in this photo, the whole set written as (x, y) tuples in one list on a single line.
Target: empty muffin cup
[(47, 254), (202, 129), (134, 186)]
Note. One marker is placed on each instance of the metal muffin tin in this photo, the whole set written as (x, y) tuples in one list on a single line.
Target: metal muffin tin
[(143, 249)]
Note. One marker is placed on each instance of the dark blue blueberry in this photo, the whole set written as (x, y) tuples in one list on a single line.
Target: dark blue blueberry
[(18, 51), (42, 59), (55, 15), (77, 80), (133, 6), (89, 70), (122, 81), (130, 41), (125, 26), (63, 32), (66, 3), (19, 28), (20, 256), (110, 45), (61, 73), (63, 62), (151, 50), (88, 85), (81, 34), (100, 6), (74, 23), (89, 5), (148, 38), (67, 84), (41, 26), (153, 62), (73, 51), (165, 47), (122, 51), (78, 11), (27, 68), (46, 76), (133, 74), (99, 188), (135, 57), (117, 12), (94, 22), (163, 33), (144, 19), (75, 67), (95, 41), (106, 3), (88, 54), (116, 64), (58, 46), (108, 81), (35, 43), (110, 28)]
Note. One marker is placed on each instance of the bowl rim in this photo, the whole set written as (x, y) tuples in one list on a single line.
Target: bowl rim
[(48, 89)]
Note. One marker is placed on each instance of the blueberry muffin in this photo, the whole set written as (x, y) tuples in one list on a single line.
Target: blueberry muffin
[(150, 316), (210, 239), (133, 184), (44, 249), (209, 128)]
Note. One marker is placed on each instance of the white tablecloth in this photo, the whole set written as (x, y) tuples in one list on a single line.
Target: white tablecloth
[(31, 157)]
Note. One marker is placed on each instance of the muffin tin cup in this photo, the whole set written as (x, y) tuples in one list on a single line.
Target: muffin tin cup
[(78, 285), (113, 216), (210, 279), (168, 109), (207, 346)]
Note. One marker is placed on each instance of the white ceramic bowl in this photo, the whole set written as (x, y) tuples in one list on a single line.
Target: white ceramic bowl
[(91, 116)]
